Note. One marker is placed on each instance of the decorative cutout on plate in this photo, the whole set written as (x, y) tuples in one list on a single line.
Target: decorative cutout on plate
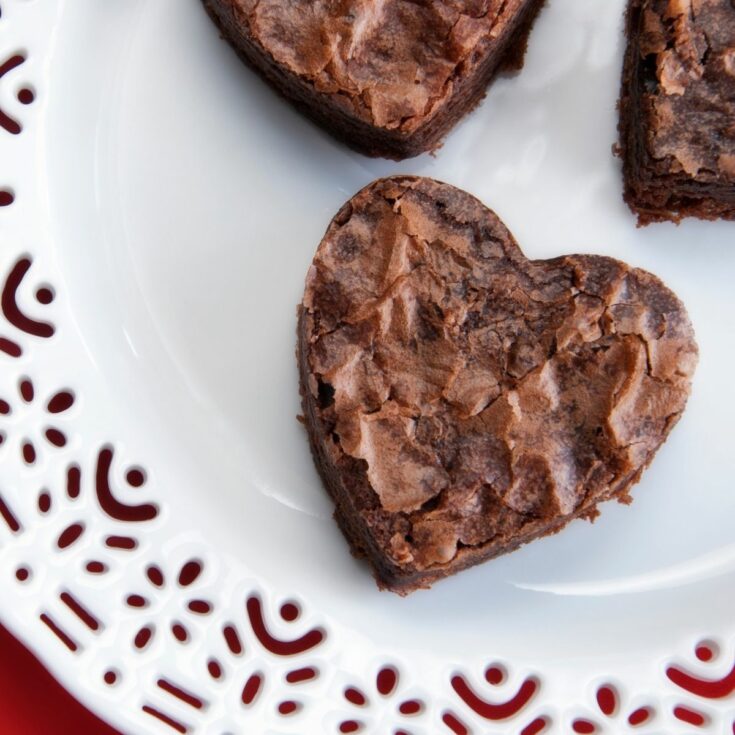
[(12, 311), (387, 691), (109, 503), (252, 688), (166, 719), (48, 433), (182, 581), (537, 726), (186, 577), (181, 694), (611, 705), (9, 303), (7, 515), (701, 686), (275, 645), (490, 709), (25, 95), (59, 632), (81, 611), (690, 716), (303, 643)]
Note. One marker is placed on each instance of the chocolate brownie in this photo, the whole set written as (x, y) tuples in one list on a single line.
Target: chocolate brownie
[(462, 400), (389, 78), (677, 109)]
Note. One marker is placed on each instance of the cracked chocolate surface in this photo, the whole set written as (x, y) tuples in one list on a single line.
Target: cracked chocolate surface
[(462, 399), (389, 64), (678, 109)]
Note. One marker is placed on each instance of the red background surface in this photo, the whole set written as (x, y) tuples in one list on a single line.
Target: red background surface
[(33, 703)]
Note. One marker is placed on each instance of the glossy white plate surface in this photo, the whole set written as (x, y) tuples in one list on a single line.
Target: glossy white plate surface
[(173, 203)]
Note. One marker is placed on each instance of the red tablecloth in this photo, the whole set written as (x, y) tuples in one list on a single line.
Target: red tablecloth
[(31, 701)]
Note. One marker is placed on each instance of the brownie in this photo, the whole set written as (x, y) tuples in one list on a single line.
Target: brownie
[(389, 78), (677, 110), (462, 400)]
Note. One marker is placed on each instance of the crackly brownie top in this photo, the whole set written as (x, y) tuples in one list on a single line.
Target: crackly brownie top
[(481, 389), (390, 62), (688, 53)]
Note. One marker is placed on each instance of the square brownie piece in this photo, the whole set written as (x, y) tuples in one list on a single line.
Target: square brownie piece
[(677, 110)]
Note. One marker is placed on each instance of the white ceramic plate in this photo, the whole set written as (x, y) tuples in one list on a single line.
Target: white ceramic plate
[(170, 204)]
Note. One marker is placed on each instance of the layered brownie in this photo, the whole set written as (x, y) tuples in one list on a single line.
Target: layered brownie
[(677, 109), (389, 78), (462, 400)]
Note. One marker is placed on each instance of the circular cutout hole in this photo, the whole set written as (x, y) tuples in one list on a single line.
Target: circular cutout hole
[(495, 674), (45, 295), (290, 611), (23, 574), (111, 677), (135, 477), (7, 197), (706, 650), (26, 96)]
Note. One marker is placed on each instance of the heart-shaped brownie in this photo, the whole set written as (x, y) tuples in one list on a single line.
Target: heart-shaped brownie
[(389, 77), (462, 400)]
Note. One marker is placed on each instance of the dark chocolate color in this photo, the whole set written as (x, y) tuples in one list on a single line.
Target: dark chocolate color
[(388, 77), (677, 110), (462, 400)]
